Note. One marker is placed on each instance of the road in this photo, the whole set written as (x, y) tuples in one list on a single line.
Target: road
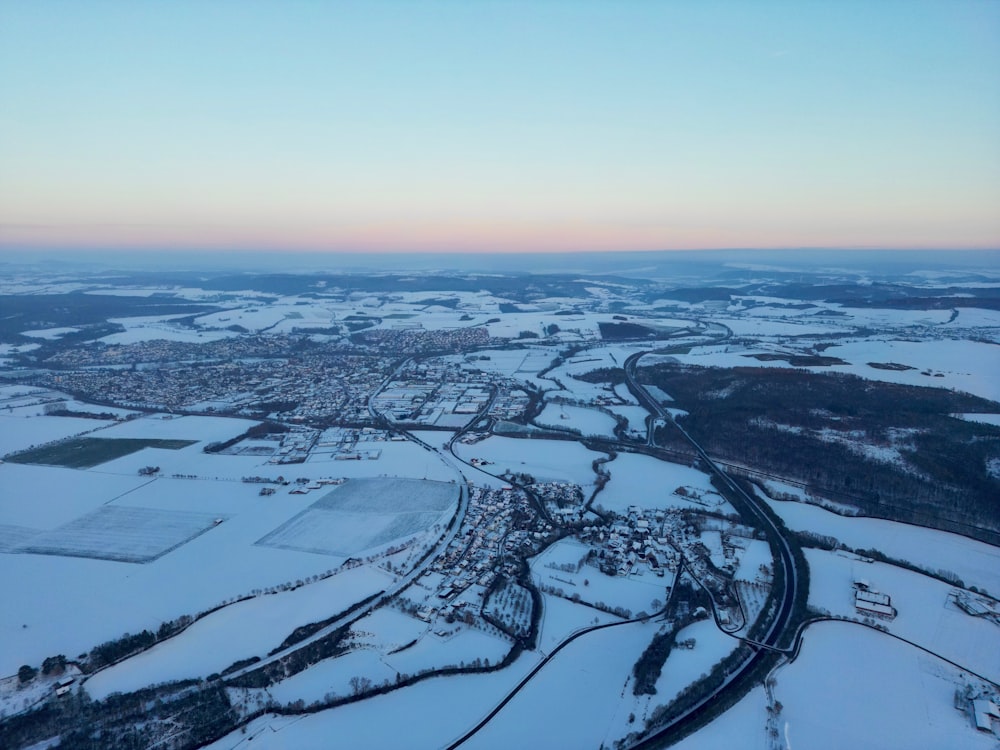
[(382, 597), (400, 584), (776, 628), (750, 507)]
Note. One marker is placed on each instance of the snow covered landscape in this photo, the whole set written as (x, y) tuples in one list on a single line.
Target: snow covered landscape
[(281, 516)]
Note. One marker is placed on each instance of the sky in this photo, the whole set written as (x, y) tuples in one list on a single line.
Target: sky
[(475, 126)]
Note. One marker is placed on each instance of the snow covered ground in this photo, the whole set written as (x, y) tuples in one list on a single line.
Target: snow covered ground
[(927, 614), (432, 713), (636, 416), (18, 433), (545, 460), (585, 421), (223, 637), (647, 482), (970, 366), (854, 687), (636, 593), (685, 665), (962, 365), (976, 563), (49, 333), (395, 459), (216, 566), (582, 698), (561, 618), (742, 726)]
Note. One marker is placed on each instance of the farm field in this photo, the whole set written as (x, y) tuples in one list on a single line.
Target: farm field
[(887, 679), (117, 532), (584, 421), (363, 725), (647, 482), (591, 677), (544, 460), (83, 453), (255, 482), (20, 432), (222, 638), (364, 514), (927, 613), (975, 562)]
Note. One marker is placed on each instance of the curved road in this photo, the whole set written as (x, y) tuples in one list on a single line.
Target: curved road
[(750, 507)]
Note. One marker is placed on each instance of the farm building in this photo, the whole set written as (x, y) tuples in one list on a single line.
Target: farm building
[(985, 712), (868, 602)]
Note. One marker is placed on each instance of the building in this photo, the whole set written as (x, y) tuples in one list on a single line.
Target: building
[(985, 712), (868, 602)]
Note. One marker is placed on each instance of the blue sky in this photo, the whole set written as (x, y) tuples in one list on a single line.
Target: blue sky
[(466, 126)]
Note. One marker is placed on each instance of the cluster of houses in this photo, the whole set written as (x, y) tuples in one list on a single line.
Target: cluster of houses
[(499, 528), (442, 393), (431, 400), (640, 538), (307, 386), (414, 341)]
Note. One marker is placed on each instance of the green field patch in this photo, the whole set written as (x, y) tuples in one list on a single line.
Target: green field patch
[(85, 452)]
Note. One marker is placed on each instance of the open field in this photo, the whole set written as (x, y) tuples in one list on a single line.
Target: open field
[(897, 697), (83, 453), (115, 532), (364, 514), (225, 636), (544, 460), (389, 496), (585, 421), (591, 678), (647, 482), (344, 533), (926, 611), (975, 562)]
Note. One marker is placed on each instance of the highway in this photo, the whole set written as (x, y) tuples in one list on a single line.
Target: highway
[(747, 506)]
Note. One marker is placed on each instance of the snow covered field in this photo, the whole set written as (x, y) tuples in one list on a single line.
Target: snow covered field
[(636, 416), (18, 433), (49, 333), (211, 568), (582, 698), (895, 696), (636, 593), (365, 514), (970, 366), (396, 459), (561, 618), (456, 703), (585, 421), (927, 614), (545, 460), (223, 637), (116, 532), (685, 665), (647, 482), (742, 726), (976, 563), (962, 365)]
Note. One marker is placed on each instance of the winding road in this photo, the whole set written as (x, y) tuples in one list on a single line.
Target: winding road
[(747, 506)]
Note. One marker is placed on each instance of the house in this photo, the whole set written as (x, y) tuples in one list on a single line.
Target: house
[(868, 602), (64, 685), (985, 712)]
